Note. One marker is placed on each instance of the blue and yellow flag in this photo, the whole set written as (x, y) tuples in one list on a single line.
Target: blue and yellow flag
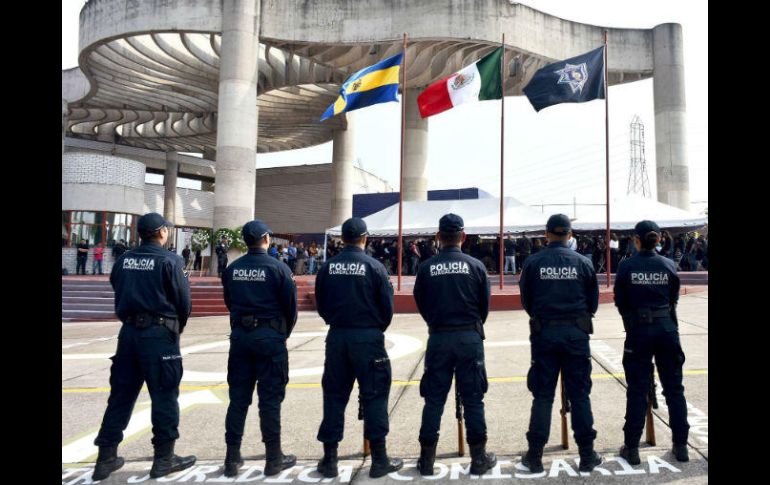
[(371, 85)]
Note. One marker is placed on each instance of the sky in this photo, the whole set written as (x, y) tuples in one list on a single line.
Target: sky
[(556, 156)]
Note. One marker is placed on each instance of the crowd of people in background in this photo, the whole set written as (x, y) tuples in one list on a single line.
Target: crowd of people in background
[(302, 259), (688, 250)]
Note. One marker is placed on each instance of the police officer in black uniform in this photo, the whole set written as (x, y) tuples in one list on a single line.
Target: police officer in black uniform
[(452, 294), (152, 299), (355, 298), (646, 294), (260, 293), (560, 293), (221, 252)]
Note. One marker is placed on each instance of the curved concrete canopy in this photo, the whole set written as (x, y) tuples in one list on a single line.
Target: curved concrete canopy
[(153, 66), (159, 91)]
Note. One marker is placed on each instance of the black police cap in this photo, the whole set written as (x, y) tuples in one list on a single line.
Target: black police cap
[(254, 231), (354, 228), (645, 227), (451, 223), (149, 223), (558, 224)]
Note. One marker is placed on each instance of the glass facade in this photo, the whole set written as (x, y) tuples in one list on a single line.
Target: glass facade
[(97, 227)]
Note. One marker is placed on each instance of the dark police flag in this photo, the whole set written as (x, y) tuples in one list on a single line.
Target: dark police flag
[(575, 80)]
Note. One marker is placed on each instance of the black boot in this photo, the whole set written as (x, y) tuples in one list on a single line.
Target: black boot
[(165, 461), (382, 464), (275, 460), (107, 462), (533, 460), (427, 457), (631, 455), (588, 458), (233, 460), (681, 453), (481, 461), (328, 464)]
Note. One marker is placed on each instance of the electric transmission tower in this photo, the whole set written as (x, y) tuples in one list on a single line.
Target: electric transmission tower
[(638, 182)]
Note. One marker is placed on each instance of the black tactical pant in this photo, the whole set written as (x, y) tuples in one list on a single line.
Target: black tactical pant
[(521, 259), (221, 264), (459, 353), (642, 343), (148, 355), (560, 348), (355, 354), (258, 357), (81, 265)]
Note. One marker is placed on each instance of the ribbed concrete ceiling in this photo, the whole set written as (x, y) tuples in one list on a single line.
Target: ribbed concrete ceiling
[(159, 91)]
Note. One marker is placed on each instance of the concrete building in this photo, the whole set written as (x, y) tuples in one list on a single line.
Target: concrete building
[(232, 78), (102, 195)]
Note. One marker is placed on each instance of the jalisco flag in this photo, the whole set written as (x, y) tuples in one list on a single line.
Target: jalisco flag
[(480, 81)]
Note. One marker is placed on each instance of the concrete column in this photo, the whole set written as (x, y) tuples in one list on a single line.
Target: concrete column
[(343, 149), (237, 116), (169, 193), (673, 177), (416, 156), (209, 154), (64, 117)]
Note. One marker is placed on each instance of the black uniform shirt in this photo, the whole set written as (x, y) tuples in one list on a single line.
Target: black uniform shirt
[(353, 290), (647, 280), (151, 280), (558, 283), (452, 288), (260, 286)]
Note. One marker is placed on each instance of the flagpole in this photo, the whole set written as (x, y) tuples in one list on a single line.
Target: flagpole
[(607, 152), (502, 164), (401, 174)]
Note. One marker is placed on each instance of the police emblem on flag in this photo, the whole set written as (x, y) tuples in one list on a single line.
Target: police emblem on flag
[(574, 75)]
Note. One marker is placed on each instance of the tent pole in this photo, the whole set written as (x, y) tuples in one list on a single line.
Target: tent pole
[(326, 237)]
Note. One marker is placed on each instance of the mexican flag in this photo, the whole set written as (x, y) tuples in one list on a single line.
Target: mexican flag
[(480, 81)]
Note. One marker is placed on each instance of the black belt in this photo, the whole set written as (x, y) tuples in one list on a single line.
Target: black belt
[(250, 321), (644, 316), (654, 313), (571, 321), (143, 320), (582, 322), (450, 328), (376, 326), (662, 312)]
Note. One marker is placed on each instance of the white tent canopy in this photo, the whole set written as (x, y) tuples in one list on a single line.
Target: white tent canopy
[(482, 216), (626, 211)]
